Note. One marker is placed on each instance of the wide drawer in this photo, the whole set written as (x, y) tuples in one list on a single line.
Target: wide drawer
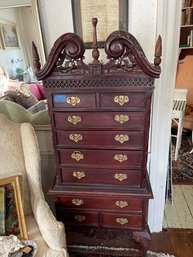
[(98, 203), (74, 100), (101, 139), (123, 100), (119, 220), (112, 158), (117, 177), (73, 120)]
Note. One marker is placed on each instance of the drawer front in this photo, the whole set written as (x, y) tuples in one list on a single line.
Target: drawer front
[(119, 220), (105, 203), (115, 159), (123, 100), (93, 176), (73, 120), (74, 100), (101, 139), (78, 217)]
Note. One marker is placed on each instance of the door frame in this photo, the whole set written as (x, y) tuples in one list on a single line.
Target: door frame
[(168, 26)]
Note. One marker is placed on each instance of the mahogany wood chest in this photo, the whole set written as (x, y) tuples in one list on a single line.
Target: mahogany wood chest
[(100, 116)]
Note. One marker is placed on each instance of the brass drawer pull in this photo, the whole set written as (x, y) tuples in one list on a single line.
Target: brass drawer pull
[(120, 176), (75, 137), (122, 221), (121, 99), (121, 118), (80, 218), (77, 202), (74, 119), (121, 204), (79, 174), (77, 155), (122, 138), (120, 157), (73, 100)]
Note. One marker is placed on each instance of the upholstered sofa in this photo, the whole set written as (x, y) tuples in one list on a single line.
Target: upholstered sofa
[(20, 156)]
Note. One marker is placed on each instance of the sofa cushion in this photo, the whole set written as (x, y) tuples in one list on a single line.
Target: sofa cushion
[(41, 89), (25, 101), (34, 89)]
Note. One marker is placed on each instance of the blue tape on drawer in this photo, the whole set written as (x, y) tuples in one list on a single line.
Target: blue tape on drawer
[(59, 99)]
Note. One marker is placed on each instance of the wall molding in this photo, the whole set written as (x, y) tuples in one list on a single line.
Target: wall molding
[(168, 26)]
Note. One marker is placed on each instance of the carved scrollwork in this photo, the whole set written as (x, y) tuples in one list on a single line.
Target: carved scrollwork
[(67, 54), (124, 52)]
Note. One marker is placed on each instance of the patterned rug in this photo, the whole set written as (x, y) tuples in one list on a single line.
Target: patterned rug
[(152, 254), (182, 169)]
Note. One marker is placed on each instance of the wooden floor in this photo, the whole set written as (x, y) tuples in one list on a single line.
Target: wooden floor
[(177, 242), (179, 214), (177, 235)]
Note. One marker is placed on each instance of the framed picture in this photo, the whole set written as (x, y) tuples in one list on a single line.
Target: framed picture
[(1, 42), (9, 35), (112, 15), (12, 219)]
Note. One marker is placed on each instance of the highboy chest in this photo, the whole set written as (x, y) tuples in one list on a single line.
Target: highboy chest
[(100, 116)]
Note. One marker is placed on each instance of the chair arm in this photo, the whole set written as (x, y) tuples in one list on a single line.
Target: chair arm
[(52, 230)]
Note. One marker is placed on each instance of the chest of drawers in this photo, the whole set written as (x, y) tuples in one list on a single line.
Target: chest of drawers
[(100, 116)]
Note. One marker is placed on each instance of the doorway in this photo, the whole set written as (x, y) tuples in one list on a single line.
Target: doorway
[(179, 212)]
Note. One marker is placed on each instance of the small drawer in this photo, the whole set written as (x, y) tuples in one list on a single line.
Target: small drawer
[(74, 100), (86, 120), (123, 100), (131, 178), (106, 139), (120, 220), (96, 202), (78, 217), (104, 158)]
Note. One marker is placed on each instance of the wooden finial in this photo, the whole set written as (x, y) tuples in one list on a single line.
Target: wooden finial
[(158, 51), (36, 58), (95, 51)]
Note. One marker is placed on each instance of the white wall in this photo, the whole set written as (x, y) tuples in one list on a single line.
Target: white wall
[(56, 19), (142, 24), (7, 55)]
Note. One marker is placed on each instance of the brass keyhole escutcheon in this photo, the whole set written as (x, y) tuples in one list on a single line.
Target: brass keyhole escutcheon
[(74, 119), (77, 155), (75, 137), (121, 118), (121, 99), (73, 100)]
